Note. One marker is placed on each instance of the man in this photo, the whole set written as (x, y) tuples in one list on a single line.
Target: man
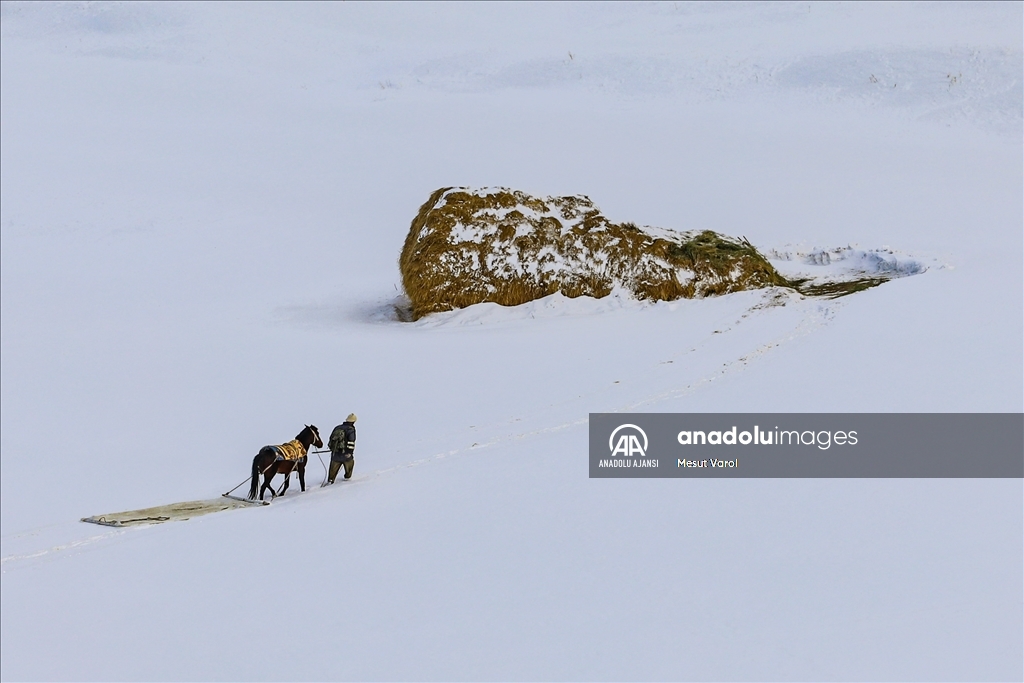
[(343, 447)]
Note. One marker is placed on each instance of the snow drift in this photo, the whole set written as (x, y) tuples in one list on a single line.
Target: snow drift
[(202, 204), (504, 246)]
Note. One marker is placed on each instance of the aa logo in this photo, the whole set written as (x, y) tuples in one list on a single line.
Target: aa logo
[(628, 444)]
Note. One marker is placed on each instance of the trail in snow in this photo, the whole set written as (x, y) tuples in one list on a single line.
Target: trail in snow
[(174, 174), (794, 317), (70, 545)]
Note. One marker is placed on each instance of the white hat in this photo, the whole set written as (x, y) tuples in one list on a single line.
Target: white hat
[(351, 417)]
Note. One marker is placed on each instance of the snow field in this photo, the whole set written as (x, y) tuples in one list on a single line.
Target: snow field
[(202, 208)]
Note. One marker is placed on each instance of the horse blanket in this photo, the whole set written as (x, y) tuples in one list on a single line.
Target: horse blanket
[(293, 450)]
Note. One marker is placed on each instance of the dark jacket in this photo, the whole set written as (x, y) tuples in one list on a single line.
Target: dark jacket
[(343, 441)]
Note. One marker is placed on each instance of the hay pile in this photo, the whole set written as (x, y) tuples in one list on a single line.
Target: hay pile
[(494, 244)]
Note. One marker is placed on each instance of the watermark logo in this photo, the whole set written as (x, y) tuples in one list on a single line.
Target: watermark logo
[(628, 443)]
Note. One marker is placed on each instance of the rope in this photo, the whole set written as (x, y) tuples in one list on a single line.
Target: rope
[(288, 477), (324, 482), (249, 478)]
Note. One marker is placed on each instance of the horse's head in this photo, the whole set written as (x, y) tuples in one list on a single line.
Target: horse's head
[(313, 435)]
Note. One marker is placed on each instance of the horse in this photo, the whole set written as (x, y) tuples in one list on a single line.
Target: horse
[(272, 460)]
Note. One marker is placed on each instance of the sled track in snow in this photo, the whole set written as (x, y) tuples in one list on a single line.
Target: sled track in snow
[(818, 316), (71, 545)]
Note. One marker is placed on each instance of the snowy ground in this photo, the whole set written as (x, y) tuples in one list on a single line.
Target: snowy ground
[(202, 209)]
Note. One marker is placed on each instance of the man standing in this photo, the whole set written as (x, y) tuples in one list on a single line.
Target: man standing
[(343, 448)]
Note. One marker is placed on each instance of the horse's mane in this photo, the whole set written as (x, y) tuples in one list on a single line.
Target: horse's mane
[(311, 430)]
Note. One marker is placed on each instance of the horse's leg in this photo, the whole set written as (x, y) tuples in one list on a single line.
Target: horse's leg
[(287, 480), (302, 475), (267, 477)]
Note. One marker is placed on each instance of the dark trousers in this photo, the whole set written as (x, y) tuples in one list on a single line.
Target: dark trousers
[(337, 463)]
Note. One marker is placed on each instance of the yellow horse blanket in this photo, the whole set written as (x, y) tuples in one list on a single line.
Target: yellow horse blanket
[(293, 450)]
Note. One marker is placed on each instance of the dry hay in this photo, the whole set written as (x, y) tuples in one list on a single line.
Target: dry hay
[(504, 246)]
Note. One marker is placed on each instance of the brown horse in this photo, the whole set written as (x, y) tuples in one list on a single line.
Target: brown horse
[(272, 460)]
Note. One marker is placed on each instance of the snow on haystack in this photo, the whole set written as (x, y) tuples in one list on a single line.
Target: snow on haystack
[(504, 246)]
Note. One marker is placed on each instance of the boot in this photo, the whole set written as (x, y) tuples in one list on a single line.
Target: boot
[(335, 466)]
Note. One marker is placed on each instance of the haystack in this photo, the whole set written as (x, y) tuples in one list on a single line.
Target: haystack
[(469, 246)]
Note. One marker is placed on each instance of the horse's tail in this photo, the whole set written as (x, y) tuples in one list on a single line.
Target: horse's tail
[(255, 477)]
